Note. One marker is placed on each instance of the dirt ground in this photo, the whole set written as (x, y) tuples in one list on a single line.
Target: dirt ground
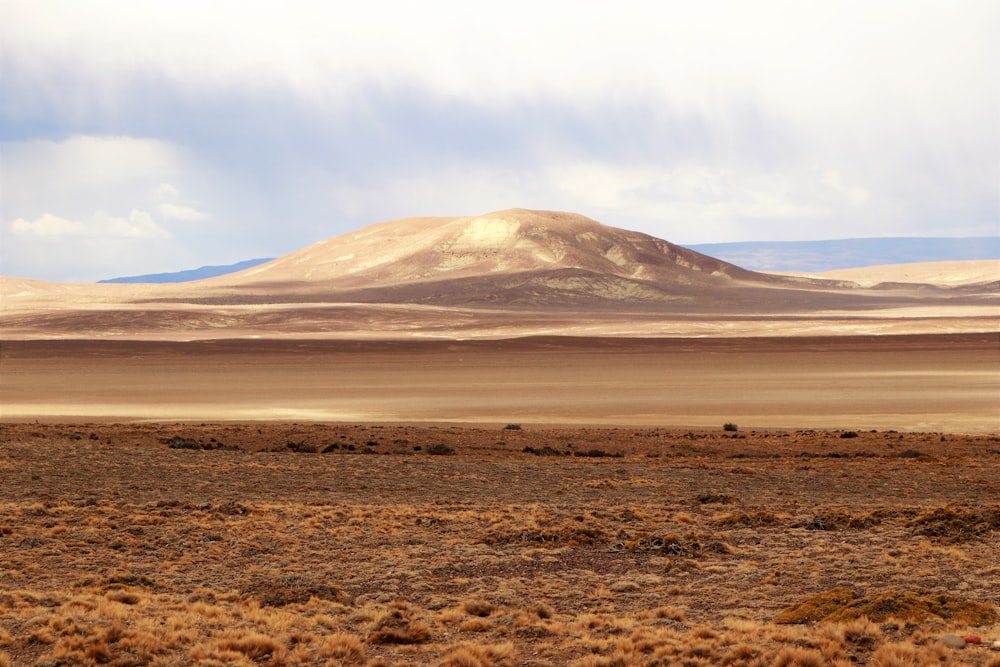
[(947, 383), (772, 502), (312, 543)]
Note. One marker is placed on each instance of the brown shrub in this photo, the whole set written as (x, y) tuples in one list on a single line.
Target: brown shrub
[(475, 655), (716, 499), (291, 589), (748, 519), (477, 607), (253, 645), (894, 655), (124, 597), (799, 657), (345, 648), (398, 627), (817, 607), (861, 632), (842, 604)]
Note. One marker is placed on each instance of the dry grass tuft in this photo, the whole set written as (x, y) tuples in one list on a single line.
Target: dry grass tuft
[(254, 645), (479, 655), (477, 607), (895, 655), (861, 632), (342, 649), (399, 627), (799, 657)]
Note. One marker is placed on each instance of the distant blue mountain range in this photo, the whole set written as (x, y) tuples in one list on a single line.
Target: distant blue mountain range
[(190, 274), (813, 256), (804, 256)]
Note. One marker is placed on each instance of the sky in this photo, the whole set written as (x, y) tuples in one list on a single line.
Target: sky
[(142, 136)]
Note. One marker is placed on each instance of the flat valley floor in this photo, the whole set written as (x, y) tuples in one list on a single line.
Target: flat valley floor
[(948, 383), (526, 502)]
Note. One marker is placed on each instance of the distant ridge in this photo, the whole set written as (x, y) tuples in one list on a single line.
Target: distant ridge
[(506, 274), (788, 256), (190, 274), (817, 256)]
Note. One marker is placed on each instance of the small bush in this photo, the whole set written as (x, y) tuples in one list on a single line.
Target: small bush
[(477, 607), (512, 427), (346, 648), (599, 453), (478, 655), (716, 499), (440, 449), (253, 645), (729, 426), (178, 442), (542, 451), (398, 627)]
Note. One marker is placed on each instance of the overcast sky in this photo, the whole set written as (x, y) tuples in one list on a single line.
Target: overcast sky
[(144, 136)]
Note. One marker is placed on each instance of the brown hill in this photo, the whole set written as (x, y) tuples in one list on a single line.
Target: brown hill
[(512, 257), (509, 273)]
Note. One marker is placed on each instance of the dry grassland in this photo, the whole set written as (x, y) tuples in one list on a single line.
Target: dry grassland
[(317, 544)]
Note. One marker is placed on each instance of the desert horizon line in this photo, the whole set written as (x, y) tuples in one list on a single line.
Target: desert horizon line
[(745, 254)]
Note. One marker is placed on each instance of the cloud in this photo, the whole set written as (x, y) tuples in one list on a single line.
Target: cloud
[(274, 126), (179, 212), (137, 225), (84, 173), (48, 226), (101, 246), (171, 207)]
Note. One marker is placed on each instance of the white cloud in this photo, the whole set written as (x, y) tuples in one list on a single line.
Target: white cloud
[(180, 212), (684, 204), (136, 225), (82, 174), (48, 226), (172, 206), (100, 246), (711, 121)]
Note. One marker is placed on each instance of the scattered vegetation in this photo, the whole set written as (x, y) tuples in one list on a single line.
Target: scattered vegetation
[(494, 556), (542, 451)]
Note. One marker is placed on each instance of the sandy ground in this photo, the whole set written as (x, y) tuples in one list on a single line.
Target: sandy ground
[(948, 383), (944, 274)]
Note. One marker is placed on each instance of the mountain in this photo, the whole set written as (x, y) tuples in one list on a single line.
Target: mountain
[(505, 274), (189, 274), (784, 256), (512, 257), (814, 256)]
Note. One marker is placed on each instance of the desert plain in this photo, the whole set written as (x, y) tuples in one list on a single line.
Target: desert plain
[(532, 440)]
